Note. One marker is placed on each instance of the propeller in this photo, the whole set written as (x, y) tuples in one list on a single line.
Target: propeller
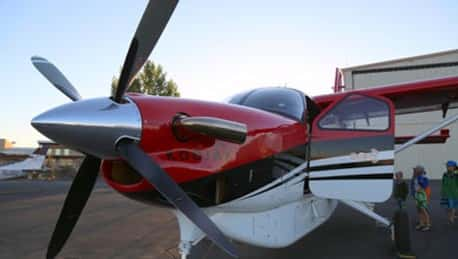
[(60, 123), (74, 203), (53, 74), (151, 26), (145, 166)]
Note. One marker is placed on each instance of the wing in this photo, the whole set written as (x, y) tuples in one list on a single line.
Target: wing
[(415, 97)]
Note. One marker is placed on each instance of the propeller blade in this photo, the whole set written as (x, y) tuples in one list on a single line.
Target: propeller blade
[(48, 70), (74, 203), (153, 22), (145, 166)]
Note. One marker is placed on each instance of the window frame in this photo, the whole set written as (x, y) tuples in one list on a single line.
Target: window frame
[(388, 105)]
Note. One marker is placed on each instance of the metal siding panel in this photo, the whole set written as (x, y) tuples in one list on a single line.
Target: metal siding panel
[(431, 156), (361, 81)]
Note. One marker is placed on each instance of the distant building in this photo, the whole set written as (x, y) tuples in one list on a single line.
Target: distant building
[(4, 144), (417, 68), (59, 157), (59, 160)]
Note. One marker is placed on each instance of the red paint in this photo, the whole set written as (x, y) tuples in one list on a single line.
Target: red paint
[(202, 156), (338, 85), (404, 95), (434, 139)]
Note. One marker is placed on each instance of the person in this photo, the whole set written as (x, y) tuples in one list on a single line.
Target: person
[(401, 190), (422, 208), (421, 192), (419, 177), (449, 190)]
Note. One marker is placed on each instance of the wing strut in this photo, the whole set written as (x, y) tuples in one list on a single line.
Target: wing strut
[(426, 133), (359, 206)]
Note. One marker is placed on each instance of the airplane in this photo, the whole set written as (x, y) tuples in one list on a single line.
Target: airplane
[(265, 168), (19, 169)]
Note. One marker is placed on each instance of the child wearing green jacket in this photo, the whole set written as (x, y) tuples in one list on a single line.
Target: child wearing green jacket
[(449, 191)]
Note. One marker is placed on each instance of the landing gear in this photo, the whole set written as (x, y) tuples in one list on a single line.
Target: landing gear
[(399, 227), (190, 235), (402, 234), (185, 249)]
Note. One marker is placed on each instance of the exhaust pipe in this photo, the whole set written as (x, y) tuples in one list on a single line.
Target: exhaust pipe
[(225, 130)]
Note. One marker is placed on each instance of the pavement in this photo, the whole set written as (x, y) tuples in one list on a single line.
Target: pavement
[(113, 226)]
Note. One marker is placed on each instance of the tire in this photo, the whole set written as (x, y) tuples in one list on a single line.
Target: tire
[(402, 232)]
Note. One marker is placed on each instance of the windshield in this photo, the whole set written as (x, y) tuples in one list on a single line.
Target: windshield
[(283, 101)]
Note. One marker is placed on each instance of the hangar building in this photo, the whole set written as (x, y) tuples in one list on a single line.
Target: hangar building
[(417, 68)]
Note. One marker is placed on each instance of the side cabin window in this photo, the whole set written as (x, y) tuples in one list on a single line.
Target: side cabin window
[(357, 112), (283, 101)]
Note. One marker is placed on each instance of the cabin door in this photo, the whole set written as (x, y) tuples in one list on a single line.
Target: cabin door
[(352, 149)]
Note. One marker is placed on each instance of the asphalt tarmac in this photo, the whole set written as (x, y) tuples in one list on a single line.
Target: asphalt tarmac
[(113, 226)]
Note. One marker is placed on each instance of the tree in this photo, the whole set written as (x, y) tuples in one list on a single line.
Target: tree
[(150, 80)]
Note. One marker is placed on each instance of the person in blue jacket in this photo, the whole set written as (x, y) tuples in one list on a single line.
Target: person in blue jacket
[(420, 190)]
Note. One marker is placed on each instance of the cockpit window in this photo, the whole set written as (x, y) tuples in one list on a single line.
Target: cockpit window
[(358, 112), (283, 101)]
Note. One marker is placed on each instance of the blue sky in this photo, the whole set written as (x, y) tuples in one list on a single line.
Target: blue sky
[(212, 49)]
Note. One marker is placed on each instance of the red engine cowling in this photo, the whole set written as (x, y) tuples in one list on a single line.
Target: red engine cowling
[(201, 156)]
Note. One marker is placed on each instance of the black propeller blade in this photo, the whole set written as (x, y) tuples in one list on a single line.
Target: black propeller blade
[(74, 204), (52, 73), (145, 166), (153, 22)]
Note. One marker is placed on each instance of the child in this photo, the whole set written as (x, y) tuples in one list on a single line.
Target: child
[(449, 192), (419, 178), (401, 190), (421, 182), (422, 208)]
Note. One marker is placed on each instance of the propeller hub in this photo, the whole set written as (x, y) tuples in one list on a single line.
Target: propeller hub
[(92, 126)]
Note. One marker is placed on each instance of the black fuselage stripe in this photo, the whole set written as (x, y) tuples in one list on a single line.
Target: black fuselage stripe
[(384, 176), (351, 165)]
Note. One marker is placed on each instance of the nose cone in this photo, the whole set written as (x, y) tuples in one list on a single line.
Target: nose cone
[(92, 126)]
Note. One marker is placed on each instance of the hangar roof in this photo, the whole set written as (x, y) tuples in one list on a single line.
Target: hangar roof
[(405, 59)]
